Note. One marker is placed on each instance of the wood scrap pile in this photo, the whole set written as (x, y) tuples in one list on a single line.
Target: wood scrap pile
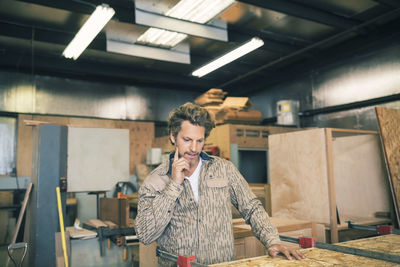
[(230, 109)]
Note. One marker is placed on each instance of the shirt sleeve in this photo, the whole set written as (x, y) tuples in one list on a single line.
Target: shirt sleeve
[(155, 210), (251, 208)]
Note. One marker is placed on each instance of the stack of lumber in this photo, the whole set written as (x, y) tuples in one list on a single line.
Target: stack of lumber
[(230, 110), (213, 97)]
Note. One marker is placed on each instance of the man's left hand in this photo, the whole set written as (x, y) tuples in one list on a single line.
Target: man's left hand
[(274, 250)]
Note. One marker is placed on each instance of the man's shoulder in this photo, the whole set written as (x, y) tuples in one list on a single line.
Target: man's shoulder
[(219, 162), (158, 178)]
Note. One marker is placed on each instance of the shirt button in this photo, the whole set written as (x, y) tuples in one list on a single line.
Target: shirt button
[(169, 211)]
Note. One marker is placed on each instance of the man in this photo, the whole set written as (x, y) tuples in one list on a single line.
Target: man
[(185, 203)]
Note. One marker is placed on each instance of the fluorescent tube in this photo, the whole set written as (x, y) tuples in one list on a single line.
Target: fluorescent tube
[(242, 50), (200, 11), (89, 30)]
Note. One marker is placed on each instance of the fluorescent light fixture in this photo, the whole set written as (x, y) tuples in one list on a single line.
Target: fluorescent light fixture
[(200, 11), (89, 30), (242, 50)]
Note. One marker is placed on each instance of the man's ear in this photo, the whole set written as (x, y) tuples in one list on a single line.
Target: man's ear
[(172, 138)]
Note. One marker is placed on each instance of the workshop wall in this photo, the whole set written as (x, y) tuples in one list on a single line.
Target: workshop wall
[(362, 77), (23, 93)]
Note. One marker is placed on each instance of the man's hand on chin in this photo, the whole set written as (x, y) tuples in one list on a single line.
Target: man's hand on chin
[(274, 250)]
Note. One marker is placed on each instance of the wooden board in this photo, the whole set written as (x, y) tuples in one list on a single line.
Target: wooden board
[(298, 176), (147, 255), (360, 178), (24, 146), (80, 233), (389, 127), (315, 257)]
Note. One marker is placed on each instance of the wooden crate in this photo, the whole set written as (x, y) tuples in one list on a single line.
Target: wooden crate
[(315, 172), (245, 136)]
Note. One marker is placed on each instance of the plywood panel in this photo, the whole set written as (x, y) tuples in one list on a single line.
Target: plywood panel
[(97, 158), (315, 257), (298, 176), (360, 178), (389, 126)]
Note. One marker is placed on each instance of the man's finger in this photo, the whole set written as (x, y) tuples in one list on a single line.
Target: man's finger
[(273, 252), (297, 254), (286, 252), (176, 156)]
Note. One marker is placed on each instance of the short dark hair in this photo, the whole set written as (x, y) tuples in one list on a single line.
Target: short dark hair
[(193, 113)]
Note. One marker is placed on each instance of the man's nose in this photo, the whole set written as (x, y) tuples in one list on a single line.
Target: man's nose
[(193, 146)]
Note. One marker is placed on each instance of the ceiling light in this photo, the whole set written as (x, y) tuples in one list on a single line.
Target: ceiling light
[(89, 30), (200, 11), (242, 50)]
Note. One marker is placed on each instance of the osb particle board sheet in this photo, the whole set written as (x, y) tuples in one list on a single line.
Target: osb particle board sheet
[(315, 257), (298, 176), (389, 244), (98, 158), (389, 126), (361, 185)]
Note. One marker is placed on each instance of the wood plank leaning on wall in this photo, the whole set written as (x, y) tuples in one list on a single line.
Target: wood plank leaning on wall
[(389, 127), (141, 135)]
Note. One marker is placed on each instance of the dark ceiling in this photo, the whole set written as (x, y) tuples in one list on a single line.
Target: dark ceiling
[(299, 35)]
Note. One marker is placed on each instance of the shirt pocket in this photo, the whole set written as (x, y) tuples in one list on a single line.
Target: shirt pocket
[(217, 192), (217, 182)]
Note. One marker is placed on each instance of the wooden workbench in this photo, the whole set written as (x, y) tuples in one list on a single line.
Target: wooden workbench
[(389, 244)]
